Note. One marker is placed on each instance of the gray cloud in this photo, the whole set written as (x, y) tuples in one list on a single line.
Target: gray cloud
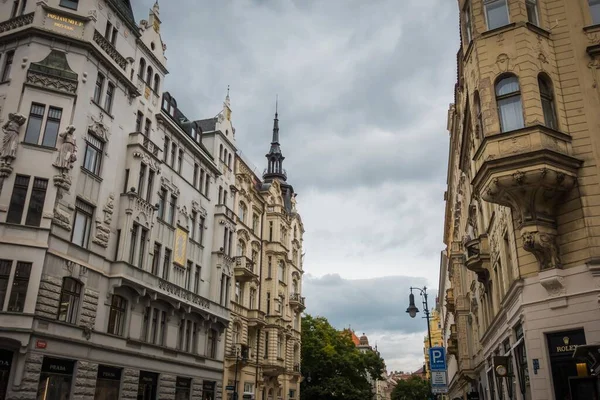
[(364, 89)]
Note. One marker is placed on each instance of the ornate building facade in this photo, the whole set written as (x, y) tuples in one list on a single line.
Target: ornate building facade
[(435, 328), (520, 270), (118, 234), (263, 338)]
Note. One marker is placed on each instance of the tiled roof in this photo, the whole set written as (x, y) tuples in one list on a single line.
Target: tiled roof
[(208, 125)]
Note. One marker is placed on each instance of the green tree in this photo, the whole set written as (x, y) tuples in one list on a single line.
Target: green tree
[(414, 388), (332, 367)]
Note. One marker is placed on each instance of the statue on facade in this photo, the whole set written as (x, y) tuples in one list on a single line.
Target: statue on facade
[(11, 137), (67, 154)]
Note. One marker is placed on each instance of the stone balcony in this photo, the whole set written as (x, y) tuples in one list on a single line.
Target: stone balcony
[(530, 170), (256, 318), (244, 269), (144, 142), (297, 302), (450, 305), (477, 258), (273, 366), (222, 209)]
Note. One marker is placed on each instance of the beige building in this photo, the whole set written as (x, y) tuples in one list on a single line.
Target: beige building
[(118, 235), (262, 357), (521, 224)]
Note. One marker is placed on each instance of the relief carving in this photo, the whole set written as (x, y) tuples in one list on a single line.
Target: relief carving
[(103, 226), (98, 128), (515, 145), (544, 248)]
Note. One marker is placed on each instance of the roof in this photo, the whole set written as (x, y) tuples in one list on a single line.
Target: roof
[(208, 125), (123, 7)]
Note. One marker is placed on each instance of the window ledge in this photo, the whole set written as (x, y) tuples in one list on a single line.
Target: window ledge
[(5, 82), (499, 30), (39, 147), (537, 29), (91, 174), (591, 28), (102, 108)]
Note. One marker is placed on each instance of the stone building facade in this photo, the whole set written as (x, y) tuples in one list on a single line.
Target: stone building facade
[(117, 229), (520, 270), (262, 358)]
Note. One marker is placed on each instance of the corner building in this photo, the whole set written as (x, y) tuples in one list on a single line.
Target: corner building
[(262, 358), (520, 270), (117, 233)]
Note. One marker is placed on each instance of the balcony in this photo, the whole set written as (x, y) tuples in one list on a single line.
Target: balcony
[(530, 170), (143, 141), (244, 269), (297, 302), (450, 306), (273, 366), (256, 318), (226, 211), (478, 257), (110, 50), (15, 23)]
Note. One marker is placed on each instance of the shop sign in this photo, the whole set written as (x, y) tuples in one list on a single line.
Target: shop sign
[(183, 382), (58, 366), (565, 343), (41, 344), (6, 357), (64, 24), (109, 373), (208, 385), (149, 378), (183, 294)]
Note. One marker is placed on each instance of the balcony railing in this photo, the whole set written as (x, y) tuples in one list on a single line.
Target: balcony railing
[(228, 212), (15, 23), (110, 50), (297, 301), (244, 269)]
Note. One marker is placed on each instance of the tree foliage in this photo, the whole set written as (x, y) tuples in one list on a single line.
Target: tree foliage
[(337, 369), (414, 388)]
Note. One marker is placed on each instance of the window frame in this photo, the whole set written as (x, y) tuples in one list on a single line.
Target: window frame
[(499, 98), (109, 97), (99, 88), (88, 214), (119, 313), (536, 12), (37, 117), (71, 4), (487, 3), (548, 99), (594, 7), (72, 311), (9, 59), (17, 202), (51, 117), (97, 147), (40, 185)]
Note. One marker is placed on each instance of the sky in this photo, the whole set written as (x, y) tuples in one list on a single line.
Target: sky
[(364, 89)]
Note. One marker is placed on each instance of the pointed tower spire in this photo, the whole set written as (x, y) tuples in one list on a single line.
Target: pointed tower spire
[(275, 157)]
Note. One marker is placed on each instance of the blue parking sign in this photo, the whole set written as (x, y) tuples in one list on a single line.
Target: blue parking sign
[(437, 359)]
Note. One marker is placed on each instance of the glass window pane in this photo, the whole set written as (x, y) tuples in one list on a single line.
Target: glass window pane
[(79, 228), (532, 14), (511, 113), (36, 202), (5, 267), (51, 133), (34, 125), (17, 200), (595, 11), (18, 291), (497, 14), (507, 86), (54, 386)]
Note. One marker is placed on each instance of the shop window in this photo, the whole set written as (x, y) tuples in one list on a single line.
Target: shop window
[(55, 379), (82, 223), (508, 99), (68, 308), (108, 383), (496, 12), (183, 388), (147, 386), (92, 160), (116, 317), (208, 390)]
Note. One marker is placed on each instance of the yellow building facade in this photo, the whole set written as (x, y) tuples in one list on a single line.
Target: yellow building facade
[(435, 328), (521, 268), (262, 357)]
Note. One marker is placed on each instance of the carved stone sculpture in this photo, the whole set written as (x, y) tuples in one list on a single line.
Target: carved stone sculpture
[(11, 137), (67, 154), (544, 248), (103, 226)]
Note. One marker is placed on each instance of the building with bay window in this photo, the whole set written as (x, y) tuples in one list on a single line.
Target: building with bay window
[(519, 276)]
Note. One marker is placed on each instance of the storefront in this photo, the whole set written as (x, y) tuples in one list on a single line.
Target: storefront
[(108, 383), (56, 379), (147, 386), (183, 387), (565, 369), (6, 357), (208, 390)]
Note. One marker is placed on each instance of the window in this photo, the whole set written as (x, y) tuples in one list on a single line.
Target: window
[(149, 73), (108, 31), (8, 61), (206, 185), (52, 126), (156, 83), (172, 205), (139, 118), (17, 200), (221, 152), (107, 383), (147, 386), (162, 198), (179, 161), (479, 115), (279, 346), (252, 301), (267, 344), (268, 303), (189, 273), (150, 186), (281, 272), (154, 326), (82, 224), (242, 212), (173, 154), (270, 231), (201, 230), (147, 127), (166, 264), (235, 334), (68, 307), (238, 292), (201, 185), (156, 258), (508, 99), (547, 98), (255, 223), (116, 316), (143, 237), (36, 202), (108, 101), (98, 88), (197, 276), (532, 12), (5, 267), (195, 180), (183, 388), (269, 267), (55, 378), (69, 4), (142, 180), (166, 149), (220, 200), (496, 12), (34, 123), (18, 293), (211, 348), (193, 226), (142, 68), (595, 11), (468, 23), (92, 159)]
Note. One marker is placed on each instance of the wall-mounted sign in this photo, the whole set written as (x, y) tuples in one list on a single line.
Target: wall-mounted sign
[(180, 255), (58, 366), (64, 24), (565, 343), (41, 344), (109, 373), (177, 291)]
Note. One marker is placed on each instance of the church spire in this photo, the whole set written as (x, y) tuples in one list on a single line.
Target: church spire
[(275, 157)]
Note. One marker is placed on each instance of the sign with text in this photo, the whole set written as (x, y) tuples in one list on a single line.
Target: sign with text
[(180, 255), (437, 359), (64, 24)]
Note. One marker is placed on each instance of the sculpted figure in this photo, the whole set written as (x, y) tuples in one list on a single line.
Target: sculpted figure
[(11, 136), (68, 150)]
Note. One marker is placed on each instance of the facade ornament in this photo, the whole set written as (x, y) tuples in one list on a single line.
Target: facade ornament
[(67, 154), (10, 142), (544, 248), (98, 128), (103, 226)]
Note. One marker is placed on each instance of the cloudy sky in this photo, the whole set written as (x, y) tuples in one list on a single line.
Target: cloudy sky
[(364, 88)]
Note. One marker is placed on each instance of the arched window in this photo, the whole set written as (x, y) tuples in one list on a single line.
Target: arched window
[(547, 98), (142, 68), (156, 82), (508, 100), (242, 212), (241, 248), (149, 73)]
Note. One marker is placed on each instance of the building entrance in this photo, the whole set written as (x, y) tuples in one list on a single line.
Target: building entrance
[(6, 357), (561, 346)]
